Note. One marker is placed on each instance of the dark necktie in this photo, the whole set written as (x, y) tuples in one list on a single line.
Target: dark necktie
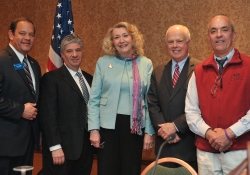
[(176, 75), (221, 63), (28, 75), (85, 94)]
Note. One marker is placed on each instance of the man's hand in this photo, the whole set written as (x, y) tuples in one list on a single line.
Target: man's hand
[(58, 156), (30, 111), (166, 130), (175, 140), (219, 140)]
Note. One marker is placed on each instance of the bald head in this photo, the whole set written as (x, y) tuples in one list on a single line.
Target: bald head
[(178, 42), (180, 28)]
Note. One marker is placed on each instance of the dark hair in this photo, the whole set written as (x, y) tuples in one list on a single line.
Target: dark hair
[(17, 20)]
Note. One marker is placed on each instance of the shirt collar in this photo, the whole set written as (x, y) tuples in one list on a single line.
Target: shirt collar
[(73, 73), (18, 54), (229, 56), (181, 63)]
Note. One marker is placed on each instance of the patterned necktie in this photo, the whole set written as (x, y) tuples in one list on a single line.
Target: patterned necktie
[(176, 75), (85, 94), (221, 63), (28, 75)]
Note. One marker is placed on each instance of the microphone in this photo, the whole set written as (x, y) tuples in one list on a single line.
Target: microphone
[(171, 137)]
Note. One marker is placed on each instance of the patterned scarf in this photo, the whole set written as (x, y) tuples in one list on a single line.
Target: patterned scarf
[(137, 96)]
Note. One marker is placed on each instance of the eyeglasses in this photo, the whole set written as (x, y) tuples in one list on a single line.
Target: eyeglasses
[(215, 86), (102, 145)]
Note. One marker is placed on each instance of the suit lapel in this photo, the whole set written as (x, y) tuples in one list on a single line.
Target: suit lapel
[(185, 73), (168, 77), (86, 76), (21, 72), (70, 81)]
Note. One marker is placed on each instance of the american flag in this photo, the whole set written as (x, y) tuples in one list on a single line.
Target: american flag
[(63, 25)]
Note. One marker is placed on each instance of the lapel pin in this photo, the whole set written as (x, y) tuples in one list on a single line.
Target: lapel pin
[(110, 66)]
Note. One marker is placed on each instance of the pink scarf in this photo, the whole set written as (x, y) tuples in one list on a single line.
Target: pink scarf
[(137, 96)]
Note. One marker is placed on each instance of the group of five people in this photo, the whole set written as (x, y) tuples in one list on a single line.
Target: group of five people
[(116, 112)]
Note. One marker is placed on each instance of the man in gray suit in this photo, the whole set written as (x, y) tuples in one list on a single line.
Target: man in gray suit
[(19, 88), (166, 98)]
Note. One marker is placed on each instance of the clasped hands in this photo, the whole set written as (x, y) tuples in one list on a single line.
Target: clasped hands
[(165, 130), (218, 140)]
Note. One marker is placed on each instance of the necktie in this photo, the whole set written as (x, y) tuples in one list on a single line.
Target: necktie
[(85, 94), (28, 75), (221, 63), (176, 74)]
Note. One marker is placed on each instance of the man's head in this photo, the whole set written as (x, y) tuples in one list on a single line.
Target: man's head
[(22, 34), (221, 34), (71, 51), (178, 42)]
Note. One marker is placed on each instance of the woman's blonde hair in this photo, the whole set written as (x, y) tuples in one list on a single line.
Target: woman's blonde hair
[(138, 41)]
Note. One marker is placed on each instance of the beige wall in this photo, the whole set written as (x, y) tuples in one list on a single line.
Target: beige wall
[(93, 18)]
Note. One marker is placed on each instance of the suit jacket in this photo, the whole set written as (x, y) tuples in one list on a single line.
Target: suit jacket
[(15, 131), (167, 104), (62, 109), (104, 96)]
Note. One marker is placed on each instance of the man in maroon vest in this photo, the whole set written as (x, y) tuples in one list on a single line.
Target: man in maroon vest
[(218, 102)]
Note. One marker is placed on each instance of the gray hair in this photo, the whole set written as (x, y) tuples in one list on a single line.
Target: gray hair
[(69, 39), (187, 33)]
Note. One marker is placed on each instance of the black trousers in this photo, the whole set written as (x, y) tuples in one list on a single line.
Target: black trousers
[(81, 166), (122, 150), (8, 163)]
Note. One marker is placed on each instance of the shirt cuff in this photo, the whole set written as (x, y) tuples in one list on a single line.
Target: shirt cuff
[(56, 147)]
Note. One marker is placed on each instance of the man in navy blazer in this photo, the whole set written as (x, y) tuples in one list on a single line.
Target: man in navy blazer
[(166, 98), (19, 127), (66, 146)]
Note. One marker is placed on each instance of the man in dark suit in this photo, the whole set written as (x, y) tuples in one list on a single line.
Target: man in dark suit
[(63, 108), (19, 127), (166, 98)]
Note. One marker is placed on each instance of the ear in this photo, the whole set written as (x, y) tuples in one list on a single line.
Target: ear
[(62, 55), (10, 34), (234, 36), (189, 42)]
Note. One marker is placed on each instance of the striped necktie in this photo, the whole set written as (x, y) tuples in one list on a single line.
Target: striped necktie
[(28, 75), (85, 94), (176, 75)]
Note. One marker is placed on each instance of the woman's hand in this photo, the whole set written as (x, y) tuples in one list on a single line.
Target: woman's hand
[(148, 142), (95, 138)]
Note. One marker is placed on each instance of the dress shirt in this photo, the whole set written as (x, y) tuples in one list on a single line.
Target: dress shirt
[(21, 57), (181, 65), (76, 78), (193, 113)]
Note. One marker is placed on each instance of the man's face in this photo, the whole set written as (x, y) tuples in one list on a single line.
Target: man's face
[(221, 35), (23, 37), (177, 43), (72, 56)]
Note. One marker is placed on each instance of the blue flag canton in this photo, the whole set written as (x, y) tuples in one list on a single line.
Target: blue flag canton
[(63, 24)]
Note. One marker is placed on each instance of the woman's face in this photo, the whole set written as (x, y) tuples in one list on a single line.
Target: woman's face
[(123, 42)]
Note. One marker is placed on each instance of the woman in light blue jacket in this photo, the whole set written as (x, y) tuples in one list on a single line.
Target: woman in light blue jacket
[(118, 117)]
